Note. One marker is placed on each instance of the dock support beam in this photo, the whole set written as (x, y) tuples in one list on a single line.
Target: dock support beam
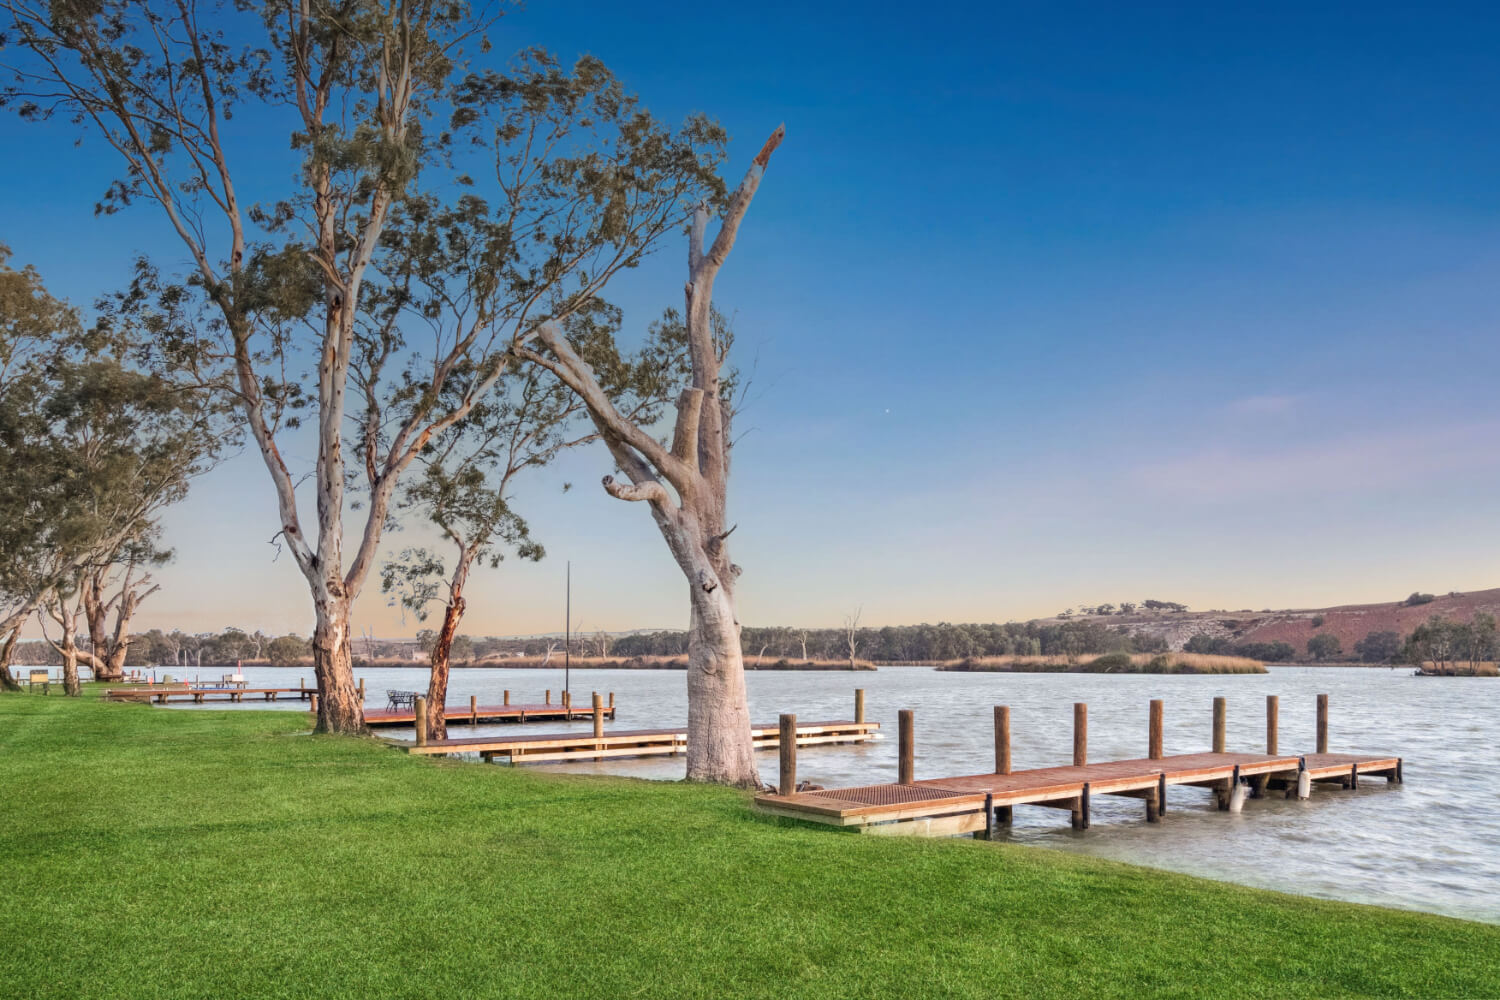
[(786, 782), (859, 704), (1081, 809), (1322, 723), (1080, 733), (598, 719), (1273, 724), (1221, 719), (1004, 814), (906, 767), (1154, 738), (421, 720)]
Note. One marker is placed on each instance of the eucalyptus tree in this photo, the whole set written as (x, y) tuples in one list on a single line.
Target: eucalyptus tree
[(685, 485), (117, 588), (464, 482), (586, 182)]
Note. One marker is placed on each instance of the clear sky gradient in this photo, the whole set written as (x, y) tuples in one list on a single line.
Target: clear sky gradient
[(1047, 304)]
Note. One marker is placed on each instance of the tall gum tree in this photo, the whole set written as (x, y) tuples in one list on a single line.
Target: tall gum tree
[(686, 488), (586, 183)]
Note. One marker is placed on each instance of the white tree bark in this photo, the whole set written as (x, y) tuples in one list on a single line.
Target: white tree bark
[(686, 488)]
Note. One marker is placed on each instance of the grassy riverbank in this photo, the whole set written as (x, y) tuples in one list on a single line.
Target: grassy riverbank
[(155, 853), (1112, 663)]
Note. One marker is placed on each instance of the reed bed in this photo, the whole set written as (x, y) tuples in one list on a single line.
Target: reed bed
[(1112, 663), (1460, 668)]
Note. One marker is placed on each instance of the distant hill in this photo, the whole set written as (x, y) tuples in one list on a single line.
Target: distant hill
[(1349, 623)]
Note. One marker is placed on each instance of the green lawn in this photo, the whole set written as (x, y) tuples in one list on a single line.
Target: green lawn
[(153, 853)]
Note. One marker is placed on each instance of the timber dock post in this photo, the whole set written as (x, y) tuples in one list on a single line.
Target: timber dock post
[(421, 720), (549, 696), (611, 701), (507, 696), (314, 704), (1154, 731), (786, 780), (906, 768), (859, 704), (1002, 814), (1080, 734), (1273, 724), (361, 690), (1322, 723), (599, 719), (473, 709), (1221, 721)]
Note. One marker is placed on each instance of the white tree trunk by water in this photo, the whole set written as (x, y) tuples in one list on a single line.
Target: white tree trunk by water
[(686, 488)]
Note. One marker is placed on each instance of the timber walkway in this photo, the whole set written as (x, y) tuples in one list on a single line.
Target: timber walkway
[(476, 714), (161, 694), (980, 803), (535, 749)]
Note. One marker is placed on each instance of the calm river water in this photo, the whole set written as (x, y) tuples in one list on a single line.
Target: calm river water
[(1430, 844)]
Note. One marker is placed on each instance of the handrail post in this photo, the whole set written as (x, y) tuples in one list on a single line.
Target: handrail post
[(786, 781), (1002, 739), (1080, 733), (598, 721), (906, 766)]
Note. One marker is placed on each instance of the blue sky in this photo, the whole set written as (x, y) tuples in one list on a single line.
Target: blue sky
[(1048, 304)]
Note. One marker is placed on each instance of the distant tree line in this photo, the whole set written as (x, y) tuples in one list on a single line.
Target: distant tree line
[(910, 643)]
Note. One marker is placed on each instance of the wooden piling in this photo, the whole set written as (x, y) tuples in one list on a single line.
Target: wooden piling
[(906, 768), (1221, 720), (598, 718), (1154, 738), (1322, 723), (361, 690), (473, 710), (787, 742), (1273, 723), (421, 720), (549, 696), (859, 704), (1080, 734), (507, 697), (1002, 739), (611, 701), (1153, 814), (313, 702)]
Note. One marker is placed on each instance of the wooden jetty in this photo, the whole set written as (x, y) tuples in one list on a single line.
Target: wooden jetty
[(980, 803), (634, 742), (162, 694), (542, 747), (475, 714)]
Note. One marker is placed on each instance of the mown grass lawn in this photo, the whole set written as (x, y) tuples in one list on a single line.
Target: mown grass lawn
[(153, 853)]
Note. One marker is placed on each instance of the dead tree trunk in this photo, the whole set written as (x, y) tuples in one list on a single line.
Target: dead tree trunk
[(691, 514)]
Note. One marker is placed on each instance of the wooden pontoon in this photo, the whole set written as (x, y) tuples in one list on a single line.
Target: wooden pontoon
[(979, 803), (627, 743)]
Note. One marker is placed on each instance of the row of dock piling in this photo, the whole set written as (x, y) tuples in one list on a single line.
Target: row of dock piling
[(980, 803)]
